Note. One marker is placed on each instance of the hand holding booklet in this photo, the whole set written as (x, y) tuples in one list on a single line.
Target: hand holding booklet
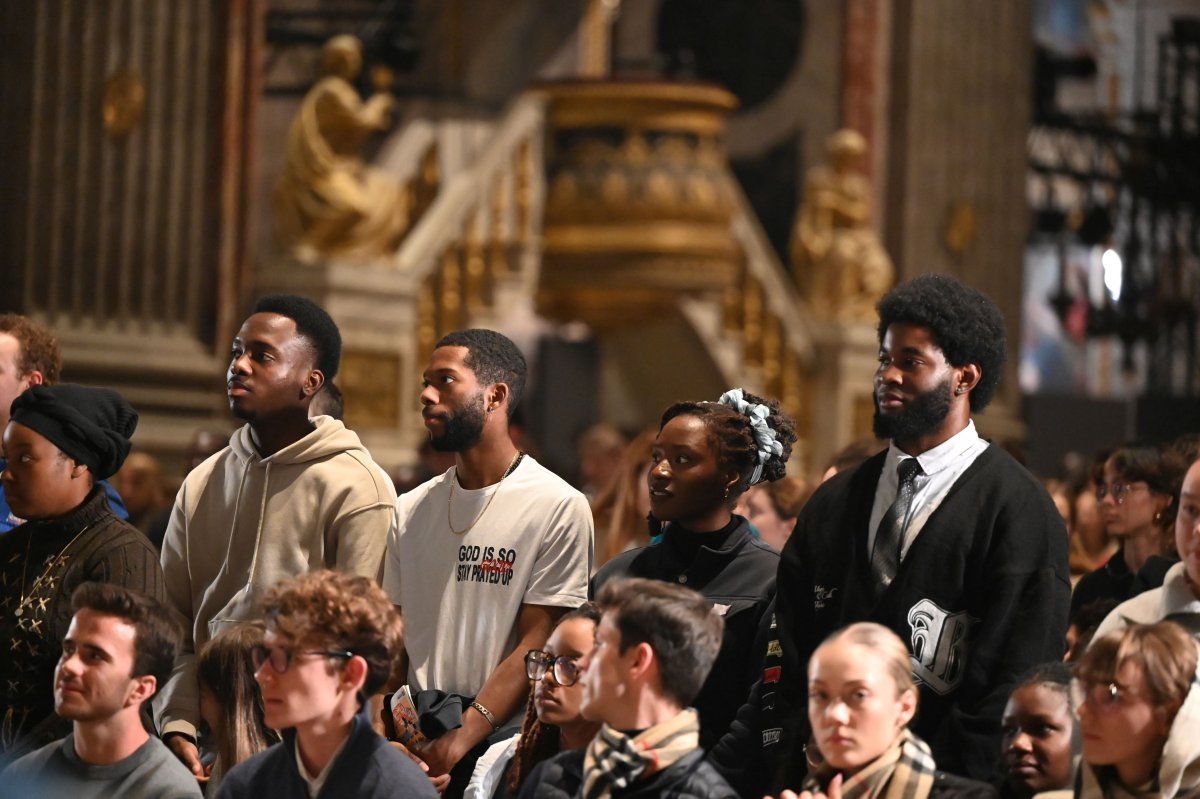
[(405, 726)]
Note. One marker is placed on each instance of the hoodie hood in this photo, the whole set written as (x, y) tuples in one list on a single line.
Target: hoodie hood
[(1174, 598), (329, 437), (1179, 773)]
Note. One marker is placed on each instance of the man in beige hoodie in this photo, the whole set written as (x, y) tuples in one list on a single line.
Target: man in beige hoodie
[(288, 495)]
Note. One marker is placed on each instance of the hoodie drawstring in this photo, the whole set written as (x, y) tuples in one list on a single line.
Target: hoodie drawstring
[(262, 514)]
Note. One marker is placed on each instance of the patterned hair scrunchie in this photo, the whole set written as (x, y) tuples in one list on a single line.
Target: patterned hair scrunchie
[(765, 441)]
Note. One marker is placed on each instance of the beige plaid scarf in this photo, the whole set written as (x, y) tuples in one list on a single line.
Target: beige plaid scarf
[(904, 771), (614, 760)]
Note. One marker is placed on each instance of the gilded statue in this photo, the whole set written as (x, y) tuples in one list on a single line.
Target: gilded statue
[(327, 200), (837, 259)]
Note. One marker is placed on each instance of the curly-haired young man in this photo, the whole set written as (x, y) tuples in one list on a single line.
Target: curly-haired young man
[(329, 644), (942, 537)]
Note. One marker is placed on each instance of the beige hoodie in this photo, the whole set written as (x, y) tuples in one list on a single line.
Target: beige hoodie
[(242, 522)]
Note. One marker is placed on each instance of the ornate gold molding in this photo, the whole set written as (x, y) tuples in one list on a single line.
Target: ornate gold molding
[(637, 194)]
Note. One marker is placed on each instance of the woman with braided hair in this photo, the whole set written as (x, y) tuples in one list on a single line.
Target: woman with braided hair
[(553, 722), (704, 458)]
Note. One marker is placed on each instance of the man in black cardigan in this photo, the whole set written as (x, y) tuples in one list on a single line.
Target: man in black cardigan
[(943, 538)]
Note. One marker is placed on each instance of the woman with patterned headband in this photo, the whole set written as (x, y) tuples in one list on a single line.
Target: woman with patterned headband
[(704, 458)]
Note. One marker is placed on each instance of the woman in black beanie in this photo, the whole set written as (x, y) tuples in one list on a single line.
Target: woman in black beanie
[(60, 441)]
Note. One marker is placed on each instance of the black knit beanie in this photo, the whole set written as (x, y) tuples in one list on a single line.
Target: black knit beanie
[(90, 425)]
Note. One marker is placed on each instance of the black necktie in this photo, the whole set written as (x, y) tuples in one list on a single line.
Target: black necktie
[(885, 557)]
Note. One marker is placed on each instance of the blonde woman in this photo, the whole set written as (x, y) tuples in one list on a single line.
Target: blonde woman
[(861, 697)]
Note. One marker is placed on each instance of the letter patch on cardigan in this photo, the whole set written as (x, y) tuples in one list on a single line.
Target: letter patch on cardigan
[(822, 596), (939, 645)]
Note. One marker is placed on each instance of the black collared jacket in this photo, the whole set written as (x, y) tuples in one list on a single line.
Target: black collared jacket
[(738, 578)]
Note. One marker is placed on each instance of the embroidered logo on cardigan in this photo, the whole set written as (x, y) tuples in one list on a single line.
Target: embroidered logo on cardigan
[(939, 645)]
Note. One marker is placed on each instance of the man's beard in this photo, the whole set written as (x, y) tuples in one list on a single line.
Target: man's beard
[(461, 430), (918, 418)]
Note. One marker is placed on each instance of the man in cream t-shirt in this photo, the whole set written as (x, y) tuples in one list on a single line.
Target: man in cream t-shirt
[(483, 559)]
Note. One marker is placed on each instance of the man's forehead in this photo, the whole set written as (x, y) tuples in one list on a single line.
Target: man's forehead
[(911, 336), (307, 638), (269, 327), (450, 358), (101, 631), (10, 347)]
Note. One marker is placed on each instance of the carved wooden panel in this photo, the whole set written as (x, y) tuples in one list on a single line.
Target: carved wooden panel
[(126, 123)]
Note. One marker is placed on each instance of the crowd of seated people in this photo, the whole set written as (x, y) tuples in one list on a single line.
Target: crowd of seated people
[(927, 620)]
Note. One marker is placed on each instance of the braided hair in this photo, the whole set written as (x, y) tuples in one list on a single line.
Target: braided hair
[(731, 433), (538, 741)]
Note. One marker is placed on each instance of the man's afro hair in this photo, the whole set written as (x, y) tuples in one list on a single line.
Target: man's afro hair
[(966, 324)]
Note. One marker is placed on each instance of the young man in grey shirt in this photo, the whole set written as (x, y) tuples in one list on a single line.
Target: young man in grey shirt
[(120, 647)]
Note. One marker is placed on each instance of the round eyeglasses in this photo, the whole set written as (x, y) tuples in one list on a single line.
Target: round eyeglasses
[(280, 658), (1117, 491), (565, 667)]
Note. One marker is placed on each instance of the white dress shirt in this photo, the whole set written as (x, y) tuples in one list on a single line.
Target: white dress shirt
[(940, 467)]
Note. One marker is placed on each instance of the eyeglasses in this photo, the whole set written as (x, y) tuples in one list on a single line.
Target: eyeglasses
[(280, 658), (1103, 696), (565, 667), (1117, 490)]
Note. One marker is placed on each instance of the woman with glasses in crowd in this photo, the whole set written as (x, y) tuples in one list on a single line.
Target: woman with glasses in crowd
[(705, 456), (1178, 599), (1139, 708), (1136, 489), (552, 723), (861, 697)]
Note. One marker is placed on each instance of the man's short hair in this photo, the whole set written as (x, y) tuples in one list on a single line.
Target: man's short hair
[(677, 623), (493, 358), (967, 325), (312, 322), (158, 636), (337, 611), (39, 348)]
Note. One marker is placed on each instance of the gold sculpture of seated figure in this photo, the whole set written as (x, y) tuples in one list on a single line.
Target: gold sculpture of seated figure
[(327, 201)]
